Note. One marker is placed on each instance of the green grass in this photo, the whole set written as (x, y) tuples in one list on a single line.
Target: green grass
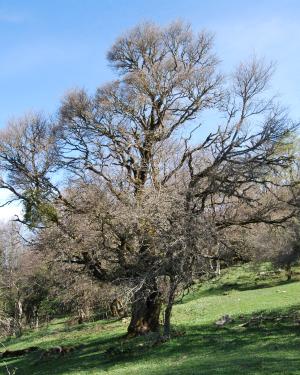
[(270, 347)]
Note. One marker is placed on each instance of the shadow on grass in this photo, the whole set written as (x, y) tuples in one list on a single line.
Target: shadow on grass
[(35, 335), (270, 346), (89, 355), (239, 285)]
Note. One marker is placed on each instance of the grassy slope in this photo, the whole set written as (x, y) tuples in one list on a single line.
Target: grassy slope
[(271, 348)]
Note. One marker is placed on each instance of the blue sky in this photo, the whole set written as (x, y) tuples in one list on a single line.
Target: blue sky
[(50, 46)]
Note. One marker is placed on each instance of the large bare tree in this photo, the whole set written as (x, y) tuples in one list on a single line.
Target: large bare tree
[(163, 194)]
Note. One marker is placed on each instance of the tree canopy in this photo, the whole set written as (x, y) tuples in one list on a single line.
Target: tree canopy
[(127, 187)]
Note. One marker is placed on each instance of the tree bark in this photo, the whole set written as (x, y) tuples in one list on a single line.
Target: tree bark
[(145, 313), (36, 318), (288, 272), (168, 310), (218, 267), (18, 318)]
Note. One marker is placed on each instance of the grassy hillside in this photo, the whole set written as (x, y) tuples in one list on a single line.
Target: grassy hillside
[(264, 337)]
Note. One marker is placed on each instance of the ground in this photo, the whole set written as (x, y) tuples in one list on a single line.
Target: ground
[(263, 339)]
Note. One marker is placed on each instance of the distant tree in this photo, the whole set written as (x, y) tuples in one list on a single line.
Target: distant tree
[(12, 250), (278, 245)]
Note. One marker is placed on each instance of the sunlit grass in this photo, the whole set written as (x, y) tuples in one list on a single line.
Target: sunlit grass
[(271, 347)]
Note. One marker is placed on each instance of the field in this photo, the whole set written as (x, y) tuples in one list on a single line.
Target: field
[(263, 338)]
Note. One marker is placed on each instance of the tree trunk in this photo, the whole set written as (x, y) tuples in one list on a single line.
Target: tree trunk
[(288, 272), (168, 311), (36, 318), (145, 314), (18, 318), (167, 321)]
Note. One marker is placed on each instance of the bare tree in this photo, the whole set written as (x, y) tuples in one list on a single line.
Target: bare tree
[(163, 194)]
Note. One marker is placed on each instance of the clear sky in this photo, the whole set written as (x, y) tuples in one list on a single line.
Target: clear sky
[(50, 46)]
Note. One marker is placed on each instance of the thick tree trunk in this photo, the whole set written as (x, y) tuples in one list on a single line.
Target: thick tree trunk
[(145, 314)]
